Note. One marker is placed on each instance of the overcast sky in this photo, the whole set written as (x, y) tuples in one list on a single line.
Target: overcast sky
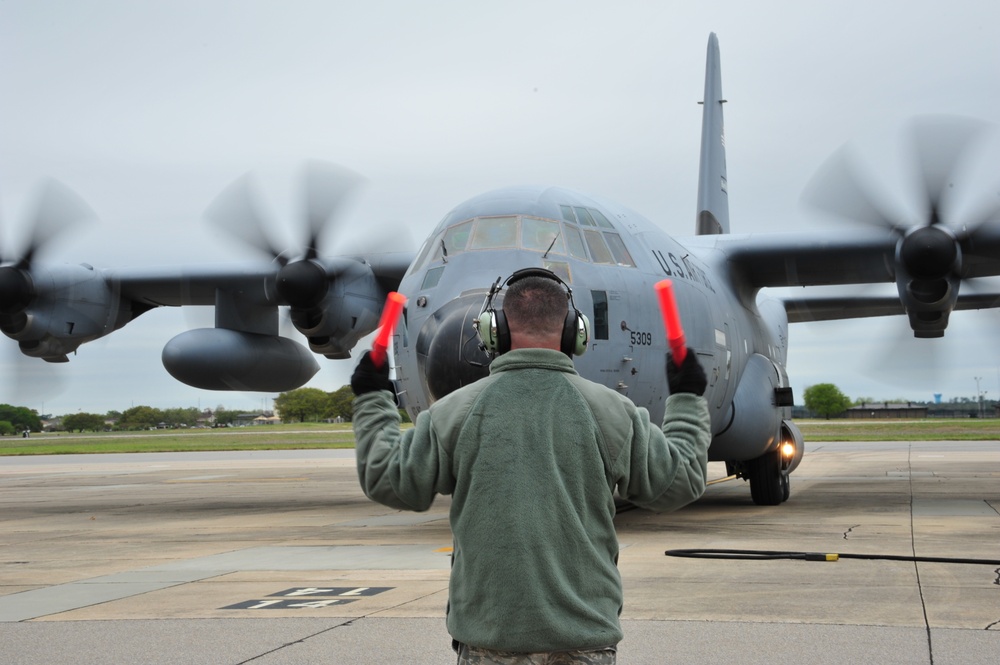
[(149, 109)]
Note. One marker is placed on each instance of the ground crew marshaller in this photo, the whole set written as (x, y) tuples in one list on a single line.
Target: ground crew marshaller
[(532, 456)]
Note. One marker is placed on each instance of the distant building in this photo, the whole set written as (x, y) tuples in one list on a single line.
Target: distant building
[(244, 419), (883, 410)]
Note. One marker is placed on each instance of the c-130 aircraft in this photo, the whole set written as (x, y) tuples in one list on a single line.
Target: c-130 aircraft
[(608, 255)]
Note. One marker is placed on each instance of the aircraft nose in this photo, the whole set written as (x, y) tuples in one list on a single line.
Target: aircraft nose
[(448, 351)]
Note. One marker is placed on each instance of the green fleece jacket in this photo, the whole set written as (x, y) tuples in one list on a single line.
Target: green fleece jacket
[(532, 455)]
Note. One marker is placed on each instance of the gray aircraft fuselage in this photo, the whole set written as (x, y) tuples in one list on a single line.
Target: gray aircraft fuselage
[(611, 257)]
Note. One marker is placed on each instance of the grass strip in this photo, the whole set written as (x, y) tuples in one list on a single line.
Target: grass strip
[(319, 436)]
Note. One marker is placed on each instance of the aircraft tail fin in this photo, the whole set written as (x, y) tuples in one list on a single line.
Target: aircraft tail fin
[(713, 196)]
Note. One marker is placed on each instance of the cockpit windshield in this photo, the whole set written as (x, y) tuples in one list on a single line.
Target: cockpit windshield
[(584, 234), (542, 235)]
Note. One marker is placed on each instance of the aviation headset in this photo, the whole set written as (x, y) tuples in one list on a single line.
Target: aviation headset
[(494, 331)]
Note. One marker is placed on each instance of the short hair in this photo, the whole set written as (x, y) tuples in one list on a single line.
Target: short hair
[(536, 305)]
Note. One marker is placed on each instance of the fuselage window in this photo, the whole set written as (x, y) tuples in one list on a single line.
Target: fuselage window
[(560, 268), (542, 235), (598, 249), (600, 314), (432, 277), (494, 232), (618, 250)]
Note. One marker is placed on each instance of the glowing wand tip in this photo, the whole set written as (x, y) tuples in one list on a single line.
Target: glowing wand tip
[(671, 320), (387, 324)]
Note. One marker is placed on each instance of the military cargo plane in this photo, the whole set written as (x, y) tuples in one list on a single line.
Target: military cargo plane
[(608, 255)]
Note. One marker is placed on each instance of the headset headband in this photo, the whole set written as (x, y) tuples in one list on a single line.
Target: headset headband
[(494, 331)]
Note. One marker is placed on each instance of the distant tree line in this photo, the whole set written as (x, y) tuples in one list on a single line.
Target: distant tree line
[(17, 419), (300, 405), (144, 417), (314, 405), (826, 401)]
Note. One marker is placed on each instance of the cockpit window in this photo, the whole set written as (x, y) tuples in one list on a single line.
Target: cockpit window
[(494, 233), (567, 213), (618, 249), (583, 215), (454, 240), (601, 219), (575, 242), (598, 249), (542, 235)]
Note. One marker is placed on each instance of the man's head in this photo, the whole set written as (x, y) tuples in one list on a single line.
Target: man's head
[(537, 312), (535, 308)]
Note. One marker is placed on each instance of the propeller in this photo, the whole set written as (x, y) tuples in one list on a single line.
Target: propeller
[(326, 190), (933, 252), (57, 211)]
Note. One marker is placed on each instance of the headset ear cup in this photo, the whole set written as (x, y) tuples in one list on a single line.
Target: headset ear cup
[(567, 343), (576, 333), (582, 334), (502, 331), (487, 331)]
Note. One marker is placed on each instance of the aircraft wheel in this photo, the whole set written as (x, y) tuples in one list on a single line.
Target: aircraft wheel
[(768, 486)]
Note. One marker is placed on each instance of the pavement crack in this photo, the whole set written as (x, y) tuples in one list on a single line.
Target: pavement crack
[(916, 567), (992, 625), (997, 580), (848, 532), (301, 640)]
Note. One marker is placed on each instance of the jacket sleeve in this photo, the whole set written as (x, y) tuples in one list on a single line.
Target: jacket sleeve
[(667, 468), (403, 470)]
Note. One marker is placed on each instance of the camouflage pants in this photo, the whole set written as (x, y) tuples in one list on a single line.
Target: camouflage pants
[(475, 656)]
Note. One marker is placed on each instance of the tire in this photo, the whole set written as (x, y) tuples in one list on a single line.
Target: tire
[(767, 486)]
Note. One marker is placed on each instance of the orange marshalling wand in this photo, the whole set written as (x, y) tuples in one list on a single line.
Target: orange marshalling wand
[(390, 315), (671, 320)]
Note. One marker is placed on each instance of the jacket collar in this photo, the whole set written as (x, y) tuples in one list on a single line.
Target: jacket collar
[(533, 359)]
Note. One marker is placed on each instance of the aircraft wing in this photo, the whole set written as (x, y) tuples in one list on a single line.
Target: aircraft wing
[(333, 301), (171, 286), (833, 308), (928, 264), (255, 281), (808, 259)]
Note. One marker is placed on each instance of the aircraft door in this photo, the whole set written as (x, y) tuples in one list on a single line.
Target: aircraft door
[(711, 339), (619, 342)]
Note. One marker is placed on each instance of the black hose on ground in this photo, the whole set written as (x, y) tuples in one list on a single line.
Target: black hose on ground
[(768, 555)]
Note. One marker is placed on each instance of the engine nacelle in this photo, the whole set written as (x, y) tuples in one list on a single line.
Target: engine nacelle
[(221, 359), (928, 265), (63, 308), (348, 311)]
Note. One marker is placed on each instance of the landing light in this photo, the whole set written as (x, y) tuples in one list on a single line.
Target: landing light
[(788, 450)]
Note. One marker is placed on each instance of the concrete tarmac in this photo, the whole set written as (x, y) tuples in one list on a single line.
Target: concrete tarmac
[(277, 557)]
